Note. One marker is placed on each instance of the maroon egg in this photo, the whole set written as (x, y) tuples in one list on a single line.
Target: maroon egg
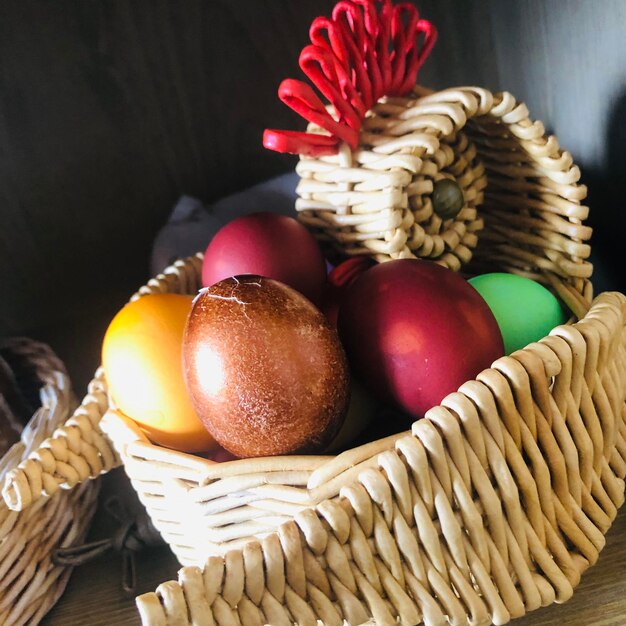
[(415, 331), (265, 371), (270, 245), (339, 280)]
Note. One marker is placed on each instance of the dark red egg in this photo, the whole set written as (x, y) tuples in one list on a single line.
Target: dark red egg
[(339, 279), (265, 371), (270, 245), (415, 331)]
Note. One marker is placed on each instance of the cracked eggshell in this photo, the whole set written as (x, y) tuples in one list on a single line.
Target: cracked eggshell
[(265, 371)]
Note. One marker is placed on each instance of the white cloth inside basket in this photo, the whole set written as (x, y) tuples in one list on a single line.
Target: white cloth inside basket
[(192, 224)]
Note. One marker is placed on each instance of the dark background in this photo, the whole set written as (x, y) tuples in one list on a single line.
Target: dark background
[(110, 110)]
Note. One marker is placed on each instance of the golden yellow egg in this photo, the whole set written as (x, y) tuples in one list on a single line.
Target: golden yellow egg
[(142, 360)]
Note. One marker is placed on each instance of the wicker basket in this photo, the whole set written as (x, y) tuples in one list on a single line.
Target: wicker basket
[(376, 200), (30, 581), (492, 505)]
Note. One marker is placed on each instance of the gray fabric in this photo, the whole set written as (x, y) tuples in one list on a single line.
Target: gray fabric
[(192, 224)]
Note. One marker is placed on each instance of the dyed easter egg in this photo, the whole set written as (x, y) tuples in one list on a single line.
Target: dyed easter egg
[(525, 310), (361, 412), (339, 279), (142, 360), (415, 331), (270, 245), (264, 369)]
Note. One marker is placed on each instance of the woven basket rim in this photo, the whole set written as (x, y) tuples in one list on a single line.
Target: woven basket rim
[(121, 427)]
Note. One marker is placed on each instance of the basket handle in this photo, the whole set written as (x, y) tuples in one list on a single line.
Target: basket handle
[(77, 451)]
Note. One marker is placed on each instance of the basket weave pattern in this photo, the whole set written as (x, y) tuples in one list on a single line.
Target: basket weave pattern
[(30, 581), (74, 452), (528, 460), (376, 200), (494, 503), (492, 506), (530, 467)]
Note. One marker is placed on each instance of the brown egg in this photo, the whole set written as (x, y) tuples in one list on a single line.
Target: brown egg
[(265, 371)]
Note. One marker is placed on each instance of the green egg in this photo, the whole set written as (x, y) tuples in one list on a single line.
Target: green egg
[(525, 310)]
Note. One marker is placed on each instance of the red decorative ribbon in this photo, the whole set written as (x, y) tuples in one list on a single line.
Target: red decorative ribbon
[(367, 49)]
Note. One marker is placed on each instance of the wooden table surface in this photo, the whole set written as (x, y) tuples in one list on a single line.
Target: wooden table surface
[(94, 596)]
